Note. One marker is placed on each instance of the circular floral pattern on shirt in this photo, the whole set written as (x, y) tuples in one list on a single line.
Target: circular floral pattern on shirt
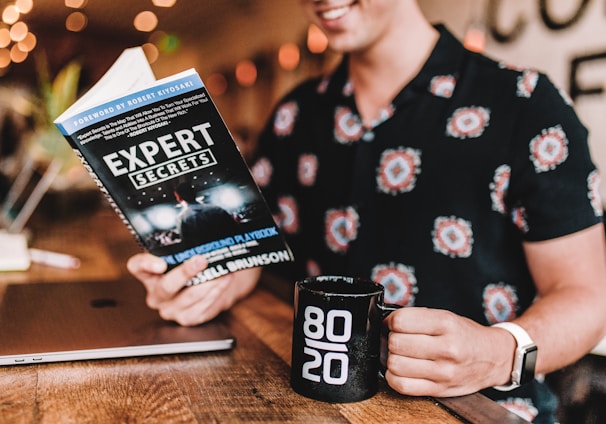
[(522, 407), (398, 170), (262, 171), (527, 82), (500, 302), (348, 89), (442, 86), (499, 187), (593, 184), (384, 114), (399, 281), (286, 115), (453, 237), (518, 217), (323, 84), (289, 214), (549, 149), (313, 268), (348, 127), (307, 169), (468, 122), (341, 228)]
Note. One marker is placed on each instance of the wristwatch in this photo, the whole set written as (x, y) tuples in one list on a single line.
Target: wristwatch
[(525, 357)]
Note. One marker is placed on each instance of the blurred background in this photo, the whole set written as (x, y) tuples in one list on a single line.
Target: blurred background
[(250, 52)]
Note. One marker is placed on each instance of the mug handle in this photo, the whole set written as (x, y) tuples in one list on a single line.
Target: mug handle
[(385, 309)]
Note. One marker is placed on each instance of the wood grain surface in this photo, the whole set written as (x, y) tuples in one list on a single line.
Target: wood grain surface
[(247, 384)]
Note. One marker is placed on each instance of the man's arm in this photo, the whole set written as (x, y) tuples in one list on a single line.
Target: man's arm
[(191, 305), (437, 353), (569, 317)]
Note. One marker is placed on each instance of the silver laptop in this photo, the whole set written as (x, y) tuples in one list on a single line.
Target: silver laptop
[(53, 322)]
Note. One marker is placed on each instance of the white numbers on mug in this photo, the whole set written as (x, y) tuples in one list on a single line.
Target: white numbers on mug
[(326, 354)]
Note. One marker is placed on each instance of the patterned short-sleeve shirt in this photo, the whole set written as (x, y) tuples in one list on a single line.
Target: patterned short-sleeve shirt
[(435, 198)]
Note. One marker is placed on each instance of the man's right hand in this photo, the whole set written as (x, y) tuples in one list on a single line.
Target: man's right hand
[(167, 293)]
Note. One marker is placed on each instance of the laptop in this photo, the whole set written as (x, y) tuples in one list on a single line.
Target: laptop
[(54, 322)]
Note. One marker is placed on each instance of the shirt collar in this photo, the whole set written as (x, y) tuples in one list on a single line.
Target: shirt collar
[(445, 59)]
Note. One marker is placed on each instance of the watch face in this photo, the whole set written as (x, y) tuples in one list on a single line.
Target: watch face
[(529, 362)]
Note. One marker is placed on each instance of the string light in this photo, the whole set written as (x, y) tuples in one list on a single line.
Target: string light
[(475, 38), (289, 56), (164, 3), (19, 31), (5, 58), (15, 39), (216, 84), (145, 21), (316, 40), (17, 55), (5, 37), (76, 21), (75, 4), (28, 43), (475, 35), (10, 14), (151, 52), (246, 73), (24, 6)]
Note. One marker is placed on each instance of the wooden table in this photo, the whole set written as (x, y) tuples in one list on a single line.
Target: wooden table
[(248, 383)]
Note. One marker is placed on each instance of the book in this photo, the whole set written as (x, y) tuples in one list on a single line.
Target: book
[(163, 156)]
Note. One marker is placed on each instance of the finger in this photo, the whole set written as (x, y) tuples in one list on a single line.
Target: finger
[(414, 386), (195, 304), (437, 371), (176, 279), (143, 265), (419, 346), (418, 320)]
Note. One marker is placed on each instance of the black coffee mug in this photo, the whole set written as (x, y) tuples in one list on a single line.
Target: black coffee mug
[(336, 347)]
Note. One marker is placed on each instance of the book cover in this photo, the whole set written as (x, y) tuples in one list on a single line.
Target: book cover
[(164, 158)]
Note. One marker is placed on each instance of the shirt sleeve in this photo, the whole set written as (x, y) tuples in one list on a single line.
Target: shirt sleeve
[(554, 182)]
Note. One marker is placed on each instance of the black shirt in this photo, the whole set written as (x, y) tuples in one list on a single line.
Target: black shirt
[(434, 200)]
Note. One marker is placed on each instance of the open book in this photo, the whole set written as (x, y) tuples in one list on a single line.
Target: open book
[(161, 153)]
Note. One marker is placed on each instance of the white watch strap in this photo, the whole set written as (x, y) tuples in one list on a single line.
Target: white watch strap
[(522, 340), (521, 336)]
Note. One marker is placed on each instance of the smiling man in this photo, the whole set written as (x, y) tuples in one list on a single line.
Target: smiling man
[(463, 185)]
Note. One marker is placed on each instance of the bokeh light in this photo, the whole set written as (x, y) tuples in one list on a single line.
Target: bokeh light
[(76, 21), (5, 37), (316, 40), (17, 55), (151, 52), (145, 21), (289, 56), (10, 14), (246, 73), (18, 31), (24, 6), (28, 43), (75, 4), (164, 3), (216, 84)]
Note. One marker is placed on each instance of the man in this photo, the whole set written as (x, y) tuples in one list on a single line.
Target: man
[(465, 188), (200, 220)]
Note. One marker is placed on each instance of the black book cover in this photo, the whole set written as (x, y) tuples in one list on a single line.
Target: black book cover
[(169, 166)]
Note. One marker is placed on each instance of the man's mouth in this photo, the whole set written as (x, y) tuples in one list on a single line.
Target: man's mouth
[(333, 14)]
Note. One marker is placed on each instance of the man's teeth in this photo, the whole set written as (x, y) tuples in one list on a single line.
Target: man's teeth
[(335, 13)]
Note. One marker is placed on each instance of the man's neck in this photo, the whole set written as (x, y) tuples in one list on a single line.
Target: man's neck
[(381, 71)]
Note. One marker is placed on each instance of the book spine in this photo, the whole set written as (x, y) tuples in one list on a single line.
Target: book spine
[(109, 197)]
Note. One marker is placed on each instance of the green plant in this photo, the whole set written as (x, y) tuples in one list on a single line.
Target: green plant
[(55, 95)]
